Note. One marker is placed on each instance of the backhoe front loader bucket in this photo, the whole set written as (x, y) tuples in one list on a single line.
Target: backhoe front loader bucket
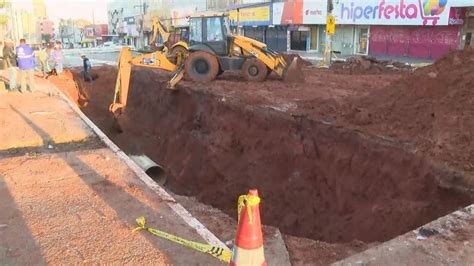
[(122, 84), (293, 73)]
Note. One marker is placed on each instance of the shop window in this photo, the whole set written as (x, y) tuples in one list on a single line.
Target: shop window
[(470, 22), (468, 40), (298, 40)]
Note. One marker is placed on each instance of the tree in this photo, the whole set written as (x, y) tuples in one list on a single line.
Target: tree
[(46, 37), (62, 29)]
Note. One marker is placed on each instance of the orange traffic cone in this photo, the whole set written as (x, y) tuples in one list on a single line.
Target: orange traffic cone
[(248, 247)]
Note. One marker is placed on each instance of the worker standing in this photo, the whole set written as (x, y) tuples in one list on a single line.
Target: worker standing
[(26, 64), (86, 72), (43, 60), (10, 61), (56, 56)]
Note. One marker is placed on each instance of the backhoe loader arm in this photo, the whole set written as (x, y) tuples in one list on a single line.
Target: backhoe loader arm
[(273, 60), (159, 30), (157, 60)]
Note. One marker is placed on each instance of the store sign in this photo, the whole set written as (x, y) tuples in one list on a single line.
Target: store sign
[(257, 16), (300, 12), (462, 3), (393, 12), (283, 14), (457, 16), (314, 11)]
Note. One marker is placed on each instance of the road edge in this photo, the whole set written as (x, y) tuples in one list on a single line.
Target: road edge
[(207, 235)]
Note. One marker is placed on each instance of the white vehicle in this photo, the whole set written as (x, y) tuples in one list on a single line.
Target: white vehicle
[(108, 44)]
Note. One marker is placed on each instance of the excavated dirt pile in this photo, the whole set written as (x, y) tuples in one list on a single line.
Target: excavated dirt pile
[(431, 109), (368, 65), (317, 179)]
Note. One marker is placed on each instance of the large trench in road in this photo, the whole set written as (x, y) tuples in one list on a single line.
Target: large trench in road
[(316, 180)]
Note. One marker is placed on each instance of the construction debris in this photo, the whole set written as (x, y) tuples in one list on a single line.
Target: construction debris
[(368, 65)]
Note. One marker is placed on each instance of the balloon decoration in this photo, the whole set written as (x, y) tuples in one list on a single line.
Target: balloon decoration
[(434, 7)]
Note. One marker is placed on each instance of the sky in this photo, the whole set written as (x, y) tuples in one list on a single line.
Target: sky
[(75, 9)]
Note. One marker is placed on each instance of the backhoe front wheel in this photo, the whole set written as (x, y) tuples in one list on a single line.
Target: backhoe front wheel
[(254, 70), (202, 66)]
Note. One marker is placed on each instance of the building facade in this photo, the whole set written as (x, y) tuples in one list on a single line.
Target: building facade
[(23, 17), (407, 28), (122, 21), (130, 22), (93, 34), (45, 29), (410, 28), (467, 33)]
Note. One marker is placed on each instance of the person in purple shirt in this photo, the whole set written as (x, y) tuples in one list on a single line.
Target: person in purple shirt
[(26, 64), (56, 56)]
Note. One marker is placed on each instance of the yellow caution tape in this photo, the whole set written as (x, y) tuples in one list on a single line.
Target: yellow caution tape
[(251, 201), (217, 252)]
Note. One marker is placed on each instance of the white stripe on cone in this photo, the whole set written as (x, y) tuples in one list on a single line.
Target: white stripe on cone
[(248, 257)]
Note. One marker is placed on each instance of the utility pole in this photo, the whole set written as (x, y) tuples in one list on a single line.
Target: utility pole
[(328, 48), (93, 28), (141, 24)]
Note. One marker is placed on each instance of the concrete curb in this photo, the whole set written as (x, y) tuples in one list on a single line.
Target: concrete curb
[(175, 206), (398, 250)]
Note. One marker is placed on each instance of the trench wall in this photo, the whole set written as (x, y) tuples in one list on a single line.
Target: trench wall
[(316, 180)]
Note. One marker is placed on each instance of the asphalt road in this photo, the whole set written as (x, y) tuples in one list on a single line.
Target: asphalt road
[(74, 60)]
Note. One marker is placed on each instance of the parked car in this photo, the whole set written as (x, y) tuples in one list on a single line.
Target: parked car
[(108, 44)]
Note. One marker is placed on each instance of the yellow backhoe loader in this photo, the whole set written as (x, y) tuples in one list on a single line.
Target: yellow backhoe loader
[(212, 49), (176, 52)]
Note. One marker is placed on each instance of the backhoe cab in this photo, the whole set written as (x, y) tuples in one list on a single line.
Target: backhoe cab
[(211, 50)]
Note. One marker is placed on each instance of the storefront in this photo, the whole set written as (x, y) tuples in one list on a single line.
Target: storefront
[(255, 21), (302, 19), (467, 35), (413, 41), (409, 28)]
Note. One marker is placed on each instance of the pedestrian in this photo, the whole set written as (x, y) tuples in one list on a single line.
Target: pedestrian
[(11, 64), (57, 57), (43, 61), (26, 64), (87, 67)]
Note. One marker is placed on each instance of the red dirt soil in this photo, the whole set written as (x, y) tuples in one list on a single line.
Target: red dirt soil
[(296, 143), (432, 109)]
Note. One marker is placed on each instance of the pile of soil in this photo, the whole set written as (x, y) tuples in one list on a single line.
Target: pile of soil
[(301, 62), (368, 65), (431, 108)]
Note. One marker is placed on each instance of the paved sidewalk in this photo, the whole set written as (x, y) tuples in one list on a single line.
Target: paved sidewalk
[(67, 198)]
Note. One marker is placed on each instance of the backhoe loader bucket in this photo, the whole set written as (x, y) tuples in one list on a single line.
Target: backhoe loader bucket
[(293, 72), (123, 81)]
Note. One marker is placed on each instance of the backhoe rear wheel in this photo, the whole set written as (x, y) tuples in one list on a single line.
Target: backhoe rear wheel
[(201, 66), (254, 70)]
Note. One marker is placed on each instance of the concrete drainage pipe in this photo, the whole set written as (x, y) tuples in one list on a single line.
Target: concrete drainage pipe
[(152, 169)]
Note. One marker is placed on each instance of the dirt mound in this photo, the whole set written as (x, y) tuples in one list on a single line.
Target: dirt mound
[(432, 107), (368, 65), (301, 62)]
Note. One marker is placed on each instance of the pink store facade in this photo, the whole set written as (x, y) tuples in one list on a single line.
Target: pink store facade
[(414, 41), (420, 29)]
